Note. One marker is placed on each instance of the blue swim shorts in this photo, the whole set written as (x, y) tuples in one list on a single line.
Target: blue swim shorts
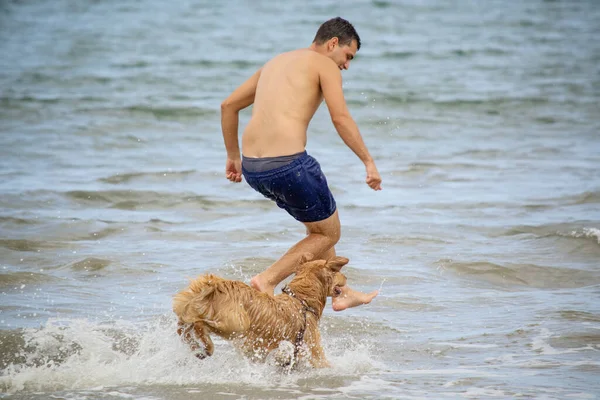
[(299, 187)]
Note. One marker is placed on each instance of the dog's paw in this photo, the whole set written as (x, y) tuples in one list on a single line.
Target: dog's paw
[(283, 356)]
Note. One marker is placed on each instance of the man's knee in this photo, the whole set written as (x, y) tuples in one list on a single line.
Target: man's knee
[(335, 235), (330, 228), (335, 228), (329, 238)]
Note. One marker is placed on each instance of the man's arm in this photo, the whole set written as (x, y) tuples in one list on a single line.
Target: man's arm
[(331, 85), (241, 98)]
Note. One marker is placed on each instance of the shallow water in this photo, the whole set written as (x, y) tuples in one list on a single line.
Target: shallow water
[(485, 242)]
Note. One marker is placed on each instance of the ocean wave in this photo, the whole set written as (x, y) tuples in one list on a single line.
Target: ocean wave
[(405, 240), (398, 55), (141, 199), (381, 3), (27, 245), (159, 112), (587, 197), (61, 78), (524, 275), (132, 64), (22, 279), (483, 154), (581, 316), (491, 101), (587, 233), (118, 199), (576, 341), (218, 64), (170, 112), (422, 168), (100, 234), (89, 264), (447, 54), (133, 176), (487, 51), (565, 230), (549, 343), (400, 97), (18, 101), (151, 200), (160, 221), (399, 304), (8, 102), (6, 220)]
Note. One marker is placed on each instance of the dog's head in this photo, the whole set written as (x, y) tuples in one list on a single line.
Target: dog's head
[(326, 272)]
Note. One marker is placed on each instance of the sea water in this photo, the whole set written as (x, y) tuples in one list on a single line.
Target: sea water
[(483, 119)]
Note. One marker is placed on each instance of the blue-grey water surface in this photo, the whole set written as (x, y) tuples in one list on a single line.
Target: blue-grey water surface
[(484, 120)]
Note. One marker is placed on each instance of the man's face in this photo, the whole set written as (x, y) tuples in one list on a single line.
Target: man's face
[(342, 54)]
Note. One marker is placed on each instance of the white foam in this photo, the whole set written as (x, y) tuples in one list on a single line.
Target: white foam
[(80, 354), (591, 233), (367, 383), (540, 344)]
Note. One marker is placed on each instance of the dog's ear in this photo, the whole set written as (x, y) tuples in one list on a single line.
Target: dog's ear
[(337, 263), (306, 257)]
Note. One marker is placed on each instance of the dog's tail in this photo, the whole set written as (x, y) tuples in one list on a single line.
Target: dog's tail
[(194, 303)]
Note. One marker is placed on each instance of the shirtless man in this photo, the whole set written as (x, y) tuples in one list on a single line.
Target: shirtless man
[(286, 93)]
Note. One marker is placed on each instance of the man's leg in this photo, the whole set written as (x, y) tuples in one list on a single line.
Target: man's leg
[(322, 236), (320, 240), (347, 296)]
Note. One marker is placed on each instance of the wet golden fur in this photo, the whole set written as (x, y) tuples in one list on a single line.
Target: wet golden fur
[(255, 321)]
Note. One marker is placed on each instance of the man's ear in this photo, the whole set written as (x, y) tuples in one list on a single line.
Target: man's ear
[(306, 257), (337, 263), (334, 41)]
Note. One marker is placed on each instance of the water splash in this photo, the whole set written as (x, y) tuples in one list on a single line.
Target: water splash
[(82, 354)]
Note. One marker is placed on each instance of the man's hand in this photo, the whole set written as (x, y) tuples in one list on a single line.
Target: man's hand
[(373, 177), (233, 170)]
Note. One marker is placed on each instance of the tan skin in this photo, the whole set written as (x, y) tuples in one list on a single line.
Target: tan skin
[(286, 93)]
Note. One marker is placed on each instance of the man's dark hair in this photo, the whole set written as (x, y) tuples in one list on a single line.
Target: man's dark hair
[(340, 28)]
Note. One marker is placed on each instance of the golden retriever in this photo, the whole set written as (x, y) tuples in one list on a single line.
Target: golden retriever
[(257, 322)]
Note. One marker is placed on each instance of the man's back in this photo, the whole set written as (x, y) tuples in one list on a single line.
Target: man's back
[(287, 95)]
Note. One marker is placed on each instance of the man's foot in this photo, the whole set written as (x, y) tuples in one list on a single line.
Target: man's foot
[(263, 287), (348, 298)]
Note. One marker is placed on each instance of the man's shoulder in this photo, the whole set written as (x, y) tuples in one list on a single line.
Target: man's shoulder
[(307, 54), (303, 61), (320, 63)]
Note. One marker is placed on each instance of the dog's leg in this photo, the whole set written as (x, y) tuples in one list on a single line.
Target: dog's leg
[(191, 334), (185, 331), (202, 335), (317, 354), (317, 359), (180, 327)]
